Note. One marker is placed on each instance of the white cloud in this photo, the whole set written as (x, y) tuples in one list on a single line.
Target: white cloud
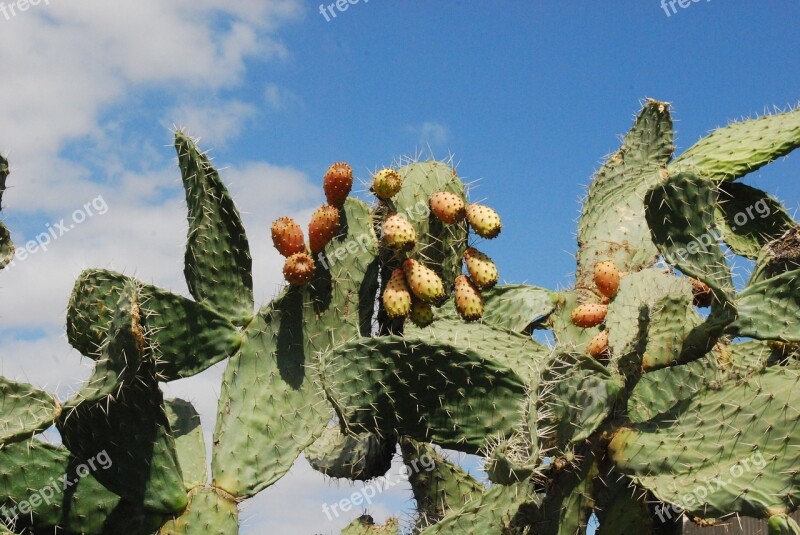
[(279, 98), (432, 133), (216, 123)]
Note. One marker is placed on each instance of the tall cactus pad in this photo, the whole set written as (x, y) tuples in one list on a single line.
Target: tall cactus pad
[(6, 247), (726, 450), (440, 246), (450, 395), (210, 512), (741, 148), (189, 442), (612, 225), (770, 309), (439, 486), (270, 407), (357, 457), (186, 337), (24, 411), (217, 264)]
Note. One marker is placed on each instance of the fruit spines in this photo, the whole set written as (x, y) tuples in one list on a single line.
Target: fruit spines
[(337, 183), (469, 302), (484, 220), (397, 296), (425, 284), (421, 313), (482, 271), (322, 228), (399, 233), (606, 278), (589, 314), (298, 269), (287, 236), (447, 207), (597, 347), (386, 183)]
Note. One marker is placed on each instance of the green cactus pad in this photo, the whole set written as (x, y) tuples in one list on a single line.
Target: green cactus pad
[(365, 525), (740, 148), (770, 309), (511, 460), (566, 508), (189, 442), (357, 457), (210, 512), (782, 524), (576, 395), (612, 224), (729, 449), (449, 394), (618, 511), (499, 510), (747, 218), (270, 407), (6, 247), (439, 486), (187, 337), (35, 473), (123, 405), (680, 213), (24, 411), (671, 320), (217, 262), (440, 246)]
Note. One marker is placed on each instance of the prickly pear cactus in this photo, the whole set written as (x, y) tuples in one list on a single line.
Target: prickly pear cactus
[(391, 332)]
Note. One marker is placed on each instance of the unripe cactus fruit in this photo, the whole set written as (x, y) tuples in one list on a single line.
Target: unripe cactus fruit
[(447, 207), (598, 346), (287, 236), (606, 277), (421, 313), (589, 314), (424, 282), (397, 296), (386, 183), (322, 228), (484, 221), (469, 302), (701, 292), (398, 233), (298, 269), (337, 183), (482, 270)]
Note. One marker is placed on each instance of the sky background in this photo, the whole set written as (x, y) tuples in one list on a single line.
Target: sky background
[(528, 97)]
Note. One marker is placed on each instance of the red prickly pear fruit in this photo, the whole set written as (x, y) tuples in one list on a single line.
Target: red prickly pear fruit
[(298, 269), (597, 347), (482, 270), (447, 207), (398, 233), (484, 221), (589, 314), (469, 302), (287, 236), (386, 183), (421, 313), (606, 277), (322, 228), (701, 293), (425, 284), (337, 183), (397, 296)]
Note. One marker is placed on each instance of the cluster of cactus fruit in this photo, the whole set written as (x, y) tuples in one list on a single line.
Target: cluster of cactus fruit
[(643, 411)]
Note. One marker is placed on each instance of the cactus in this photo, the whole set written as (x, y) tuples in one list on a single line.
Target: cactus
[(325, 371)]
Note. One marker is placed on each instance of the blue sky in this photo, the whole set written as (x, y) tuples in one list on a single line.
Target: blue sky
[(528, 97)]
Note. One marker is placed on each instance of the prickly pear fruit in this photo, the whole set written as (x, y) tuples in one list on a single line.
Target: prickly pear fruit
[(322, 228), (469, 302), (298, 269), (606, 277), (424, 282), (482, 270), (701, 293), (386, 183), (398, 233), (337, 183), (484, 221), (447, 207), (421, 313), (287, 236), (397, 296), (589, 314), (598, 346)]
